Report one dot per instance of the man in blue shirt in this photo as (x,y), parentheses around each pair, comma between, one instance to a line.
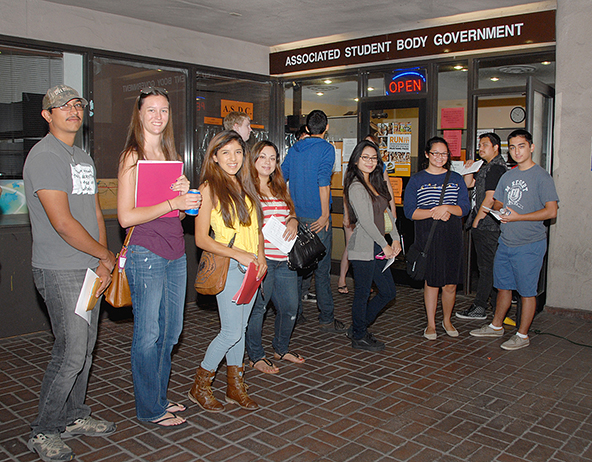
(308,167)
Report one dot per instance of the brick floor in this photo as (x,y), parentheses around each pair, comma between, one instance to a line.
(448,400)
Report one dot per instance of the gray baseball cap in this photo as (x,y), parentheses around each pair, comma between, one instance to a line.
(59,95)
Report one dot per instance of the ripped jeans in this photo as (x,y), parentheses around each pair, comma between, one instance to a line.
(281,287)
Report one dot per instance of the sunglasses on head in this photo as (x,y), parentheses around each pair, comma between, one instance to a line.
(153,90)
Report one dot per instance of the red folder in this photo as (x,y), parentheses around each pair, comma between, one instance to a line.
(153,182)
(249,286)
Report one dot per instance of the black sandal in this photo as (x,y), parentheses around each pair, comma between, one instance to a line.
(296,355)
(268,363)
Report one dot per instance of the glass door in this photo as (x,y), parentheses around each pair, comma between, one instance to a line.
(540,99)
(400,127)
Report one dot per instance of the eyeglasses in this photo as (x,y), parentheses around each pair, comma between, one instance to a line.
(152,90)
(439,154)
(79,106)
(369,159)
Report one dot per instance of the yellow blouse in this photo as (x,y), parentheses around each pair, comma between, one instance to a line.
(247,237)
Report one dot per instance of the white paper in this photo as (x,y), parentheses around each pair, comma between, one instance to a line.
(458,166)
(348,147)
(337,164)
(388,263)
(274,232)
(85,293)
(496,214)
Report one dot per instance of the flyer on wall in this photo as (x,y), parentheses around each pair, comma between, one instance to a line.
(395,146)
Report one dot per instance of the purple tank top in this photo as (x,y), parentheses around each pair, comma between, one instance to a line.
(163,236)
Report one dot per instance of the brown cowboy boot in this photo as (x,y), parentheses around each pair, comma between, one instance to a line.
(236,392)
(201,391)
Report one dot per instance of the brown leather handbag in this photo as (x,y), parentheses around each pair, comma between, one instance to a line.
(118,293)
(212,272)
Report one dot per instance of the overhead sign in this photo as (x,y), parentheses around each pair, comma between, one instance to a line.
(530,28)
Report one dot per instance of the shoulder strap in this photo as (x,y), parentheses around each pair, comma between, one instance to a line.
(429,241)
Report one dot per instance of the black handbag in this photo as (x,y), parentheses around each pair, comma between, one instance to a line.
(308,250)
(417,258)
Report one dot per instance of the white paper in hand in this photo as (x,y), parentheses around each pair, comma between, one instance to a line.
(87,296)
(273,231)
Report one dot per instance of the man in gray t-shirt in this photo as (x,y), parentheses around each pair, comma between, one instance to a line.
(526,197)
(69,237)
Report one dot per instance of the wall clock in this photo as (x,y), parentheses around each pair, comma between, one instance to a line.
(517,114)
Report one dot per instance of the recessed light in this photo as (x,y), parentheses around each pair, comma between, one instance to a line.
(546,63)
(370,88)
(464,69)
(320,93)
(328,81)
(356,99)
(458,67)
(494,79)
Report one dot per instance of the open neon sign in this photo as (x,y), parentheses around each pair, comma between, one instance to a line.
(407,81)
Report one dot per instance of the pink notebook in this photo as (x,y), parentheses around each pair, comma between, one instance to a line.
(249,287)
(154,180)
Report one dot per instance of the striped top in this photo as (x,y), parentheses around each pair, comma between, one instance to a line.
(273,206)
(424,189)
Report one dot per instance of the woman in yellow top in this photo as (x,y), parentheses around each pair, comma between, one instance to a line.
(231,208)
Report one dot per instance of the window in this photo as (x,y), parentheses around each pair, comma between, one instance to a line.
(26,75)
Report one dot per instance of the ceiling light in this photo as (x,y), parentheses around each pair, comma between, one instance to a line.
(494,79)
(370,88)
(546,63)
(464,69)
(328,81)
(320,93)
(458,67)
(356,99)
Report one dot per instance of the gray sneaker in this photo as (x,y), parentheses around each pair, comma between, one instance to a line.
(474,312)
(486,331)
(89,426)
(515,343)
(50,447)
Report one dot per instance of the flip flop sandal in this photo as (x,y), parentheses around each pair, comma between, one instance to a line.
(171,406)
(162,420)
(343,290)
(296,355)
(267,362)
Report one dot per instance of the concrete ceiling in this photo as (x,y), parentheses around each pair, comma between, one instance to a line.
(275,22)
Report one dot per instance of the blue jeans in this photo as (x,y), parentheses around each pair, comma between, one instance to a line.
(230,342)
(158,290)
(364,312)
(322,276)
(63,390)
(281,287)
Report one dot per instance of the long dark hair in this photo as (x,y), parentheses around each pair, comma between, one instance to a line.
(428,148)
(135,133)
(230,195)
(276,182)
(375,178)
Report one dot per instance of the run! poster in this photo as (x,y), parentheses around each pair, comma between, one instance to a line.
(395,146)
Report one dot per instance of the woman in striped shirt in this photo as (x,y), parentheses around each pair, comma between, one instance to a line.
(444,260)
(280,284)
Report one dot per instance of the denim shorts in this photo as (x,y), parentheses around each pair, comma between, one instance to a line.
(518,268)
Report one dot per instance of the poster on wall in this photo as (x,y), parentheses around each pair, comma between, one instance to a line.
(12,198)
(395,146)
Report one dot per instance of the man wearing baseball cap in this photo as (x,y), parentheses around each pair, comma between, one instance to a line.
(69,236)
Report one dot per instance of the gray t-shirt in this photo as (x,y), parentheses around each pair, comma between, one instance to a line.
(525,192)
(55,166)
